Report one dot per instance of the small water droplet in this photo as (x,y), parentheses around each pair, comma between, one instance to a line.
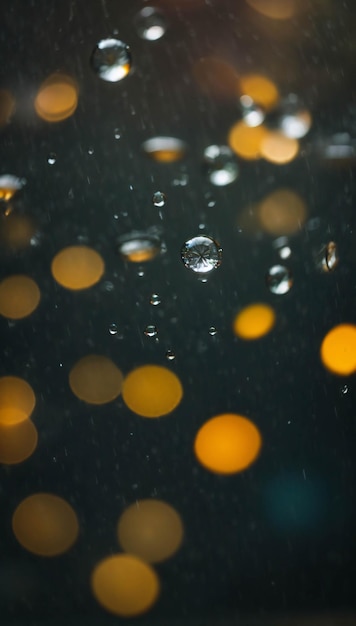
(159,199)
(212,331)
(52,158)
(140,272)
(279,279)
(90,150)
(113,329)
(117,133)
(150,24)
(252,114)
(155,299)
(220,165)
(150,331)
(344,390)
(201,254)
(111,60)
(170,355)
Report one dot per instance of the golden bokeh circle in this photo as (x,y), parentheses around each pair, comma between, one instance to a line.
(17,400)
(96,379)
(254,321)
(338,350)
(282,212)
(152,391)
(57,98)
(77,267)
(17,442)
(19,296)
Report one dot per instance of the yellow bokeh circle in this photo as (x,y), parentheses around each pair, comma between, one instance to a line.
(17,441)
(125,585)
(77,267)
(338,350)
(96,379)
(19,296)
(254,321)
(152,391)
(17,400)
(227,444)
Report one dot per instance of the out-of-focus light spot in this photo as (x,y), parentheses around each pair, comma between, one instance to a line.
(125,585)
(338,350)
(252,114)
(277,148)
(16,231)
(7,106)
(279,279)
(216,78)
(275,9)
(152,391)
(139,247)
(150,24)
(282,212)
(45,524)
(227,444)
(77,267)
(150,529)
(254,321)
(57,98)
(297,125)
(95,379)
(17,442)
(19,297)
(17,400)
(220,165)
(260,89)
(111,60)
(164,149)
(9,185)
(246,140)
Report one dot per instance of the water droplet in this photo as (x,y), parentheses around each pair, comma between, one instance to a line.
(9,185)
(220,165)
(113,329)
(282,246)
(331,258)
(111,60)
(170,355)
(52,158)
(279,279)
(150,331)
(155,299)
(139,246)
(159,199)
(212,331)
(141,272)
(201,254)
(164,149)
(150,24)
(344,390)
(117,133)
(90,151)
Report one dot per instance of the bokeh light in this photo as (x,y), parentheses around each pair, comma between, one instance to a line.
(282,212)
(227,444)
(338,350)
(45,524)
(261,90)
(19,296)
(57,98)
(254,321)
(17,400)
(217,78)
(152,391)
(275,9)
(277,148)
(16,231)
(125,585)
(7,106)
(150,529)
(17,441)
(77,267)
(246,140)
(95,379)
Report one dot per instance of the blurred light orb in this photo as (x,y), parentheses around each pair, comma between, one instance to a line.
(261,89)
(274,9)
(111,60)
(57,98)
(338,350)
(277,148)
(152,391)
(279,279)
(254,321)
(282,212)
(201,254)
(252,114)
(220,165)
(150,24)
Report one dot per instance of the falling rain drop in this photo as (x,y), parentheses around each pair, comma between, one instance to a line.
(159,199)
(150,331)
(150,24)
(279,279)
(201,254)
(155,299)
(111,60)
(220,165)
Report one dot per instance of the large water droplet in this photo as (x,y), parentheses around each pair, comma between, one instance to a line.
(52,158)
(201,254)
(150,24)
(279,279)
(111,59)
(139,246)
(150,331)
(221,165)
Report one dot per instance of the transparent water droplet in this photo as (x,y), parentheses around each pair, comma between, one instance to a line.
(90,151)
(151,331)
(159,198)
(331,258)
(113,329)
(140,272)
(111,59)
(170,355)
(212,331)
(279,279)
(52,158)
(139,246)
(108,286)
(150,24)
(117,133)
(155,299)
(201,254)
(220,165)
(344,390)
(202,226)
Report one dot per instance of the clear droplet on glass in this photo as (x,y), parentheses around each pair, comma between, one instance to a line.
(111,59)
(52,158)
(220,165)
(150,331)
(9,185)
(139,246)
(201,254)
(117,133)
(164,149)
(90,151)
(155,299)
(159,198)
(279,279)
(331,258)
(150,24)
(281,244)
(212,331)
(344,390)
(170,355)
(113,329)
